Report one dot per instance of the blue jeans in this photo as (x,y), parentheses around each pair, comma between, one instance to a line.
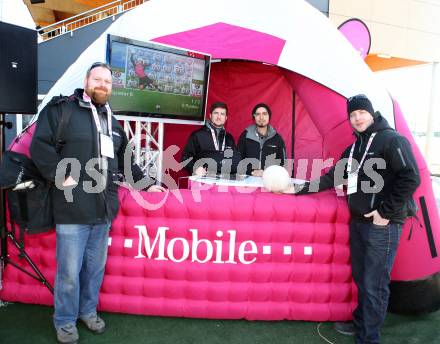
(81,257)
(373,249)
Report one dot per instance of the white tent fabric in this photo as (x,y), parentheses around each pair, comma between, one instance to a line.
(314,47)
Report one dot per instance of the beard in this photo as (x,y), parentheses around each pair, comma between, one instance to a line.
(99,95)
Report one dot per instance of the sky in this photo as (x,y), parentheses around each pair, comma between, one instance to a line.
(16,12)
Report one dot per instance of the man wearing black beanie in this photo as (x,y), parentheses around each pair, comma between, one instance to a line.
(381,175)
(359,102)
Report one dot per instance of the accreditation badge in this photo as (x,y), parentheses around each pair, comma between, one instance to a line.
(352,183)
(107,146)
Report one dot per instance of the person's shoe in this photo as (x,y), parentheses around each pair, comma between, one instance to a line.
(67,334)
(347,328)
(94,324)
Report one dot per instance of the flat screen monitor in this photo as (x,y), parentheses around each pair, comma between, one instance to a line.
(158,81)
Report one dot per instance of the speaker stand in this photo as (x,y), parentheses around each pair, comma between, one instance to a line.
(5,233)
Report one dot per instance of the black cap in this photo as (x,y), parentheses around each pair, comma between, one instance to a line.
(359,102)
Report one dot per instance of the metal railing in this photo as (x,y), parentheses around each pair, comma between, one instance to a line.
(73,23)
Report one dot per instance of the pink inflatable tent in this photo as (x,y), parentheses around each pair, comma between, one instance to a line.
(264,256)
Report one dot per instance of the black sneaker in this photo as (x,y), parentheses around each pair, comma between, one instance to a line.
(347,328)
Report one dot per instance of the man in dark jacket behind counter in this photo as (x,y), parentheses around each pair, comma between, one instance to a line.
(381,175)
(211,149)
(261,143)
(91,158)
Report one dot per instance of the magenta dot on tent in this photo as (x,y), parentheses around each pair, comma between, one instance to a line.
(357,33)
(220,40)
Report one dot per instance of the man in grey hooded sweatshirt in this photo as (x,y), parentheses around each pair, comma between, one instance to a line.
(261,143)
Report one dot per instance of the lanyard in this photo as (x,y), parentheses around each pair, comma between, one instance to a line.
(87,99)
(214,139)
(350,159)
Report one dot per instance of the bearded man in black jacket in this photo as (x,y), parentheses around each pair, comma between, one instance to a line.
(260,142)
(93,138)
(382,175)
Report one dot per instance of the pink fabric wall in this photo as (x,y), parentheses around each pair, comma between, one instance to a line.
(327,111)
(225,41)
(242,85)
(308,141)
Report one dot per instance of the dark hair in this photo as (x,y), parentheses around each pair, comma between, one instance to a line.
(269,111)
(219,105)
(96,65)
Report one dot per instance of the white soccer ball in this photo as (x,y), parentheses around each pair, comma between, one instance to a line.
(276,178)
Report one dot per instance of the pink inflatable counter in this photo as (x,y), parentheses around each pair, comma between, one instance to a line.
(216,253)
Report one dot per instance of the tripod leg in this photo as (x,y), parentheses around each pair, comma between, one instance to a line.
(38,275)
(5,234)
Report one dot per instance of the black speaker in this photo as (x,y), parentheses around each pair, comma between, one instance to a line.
(18,69)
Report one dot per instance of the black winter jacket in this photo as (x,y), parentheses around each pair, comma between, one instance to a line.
(201,146)
(400,175)
(251,145)
(81,143)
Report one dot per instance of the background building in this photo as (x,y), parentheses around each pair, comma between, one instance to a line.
(405,51)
